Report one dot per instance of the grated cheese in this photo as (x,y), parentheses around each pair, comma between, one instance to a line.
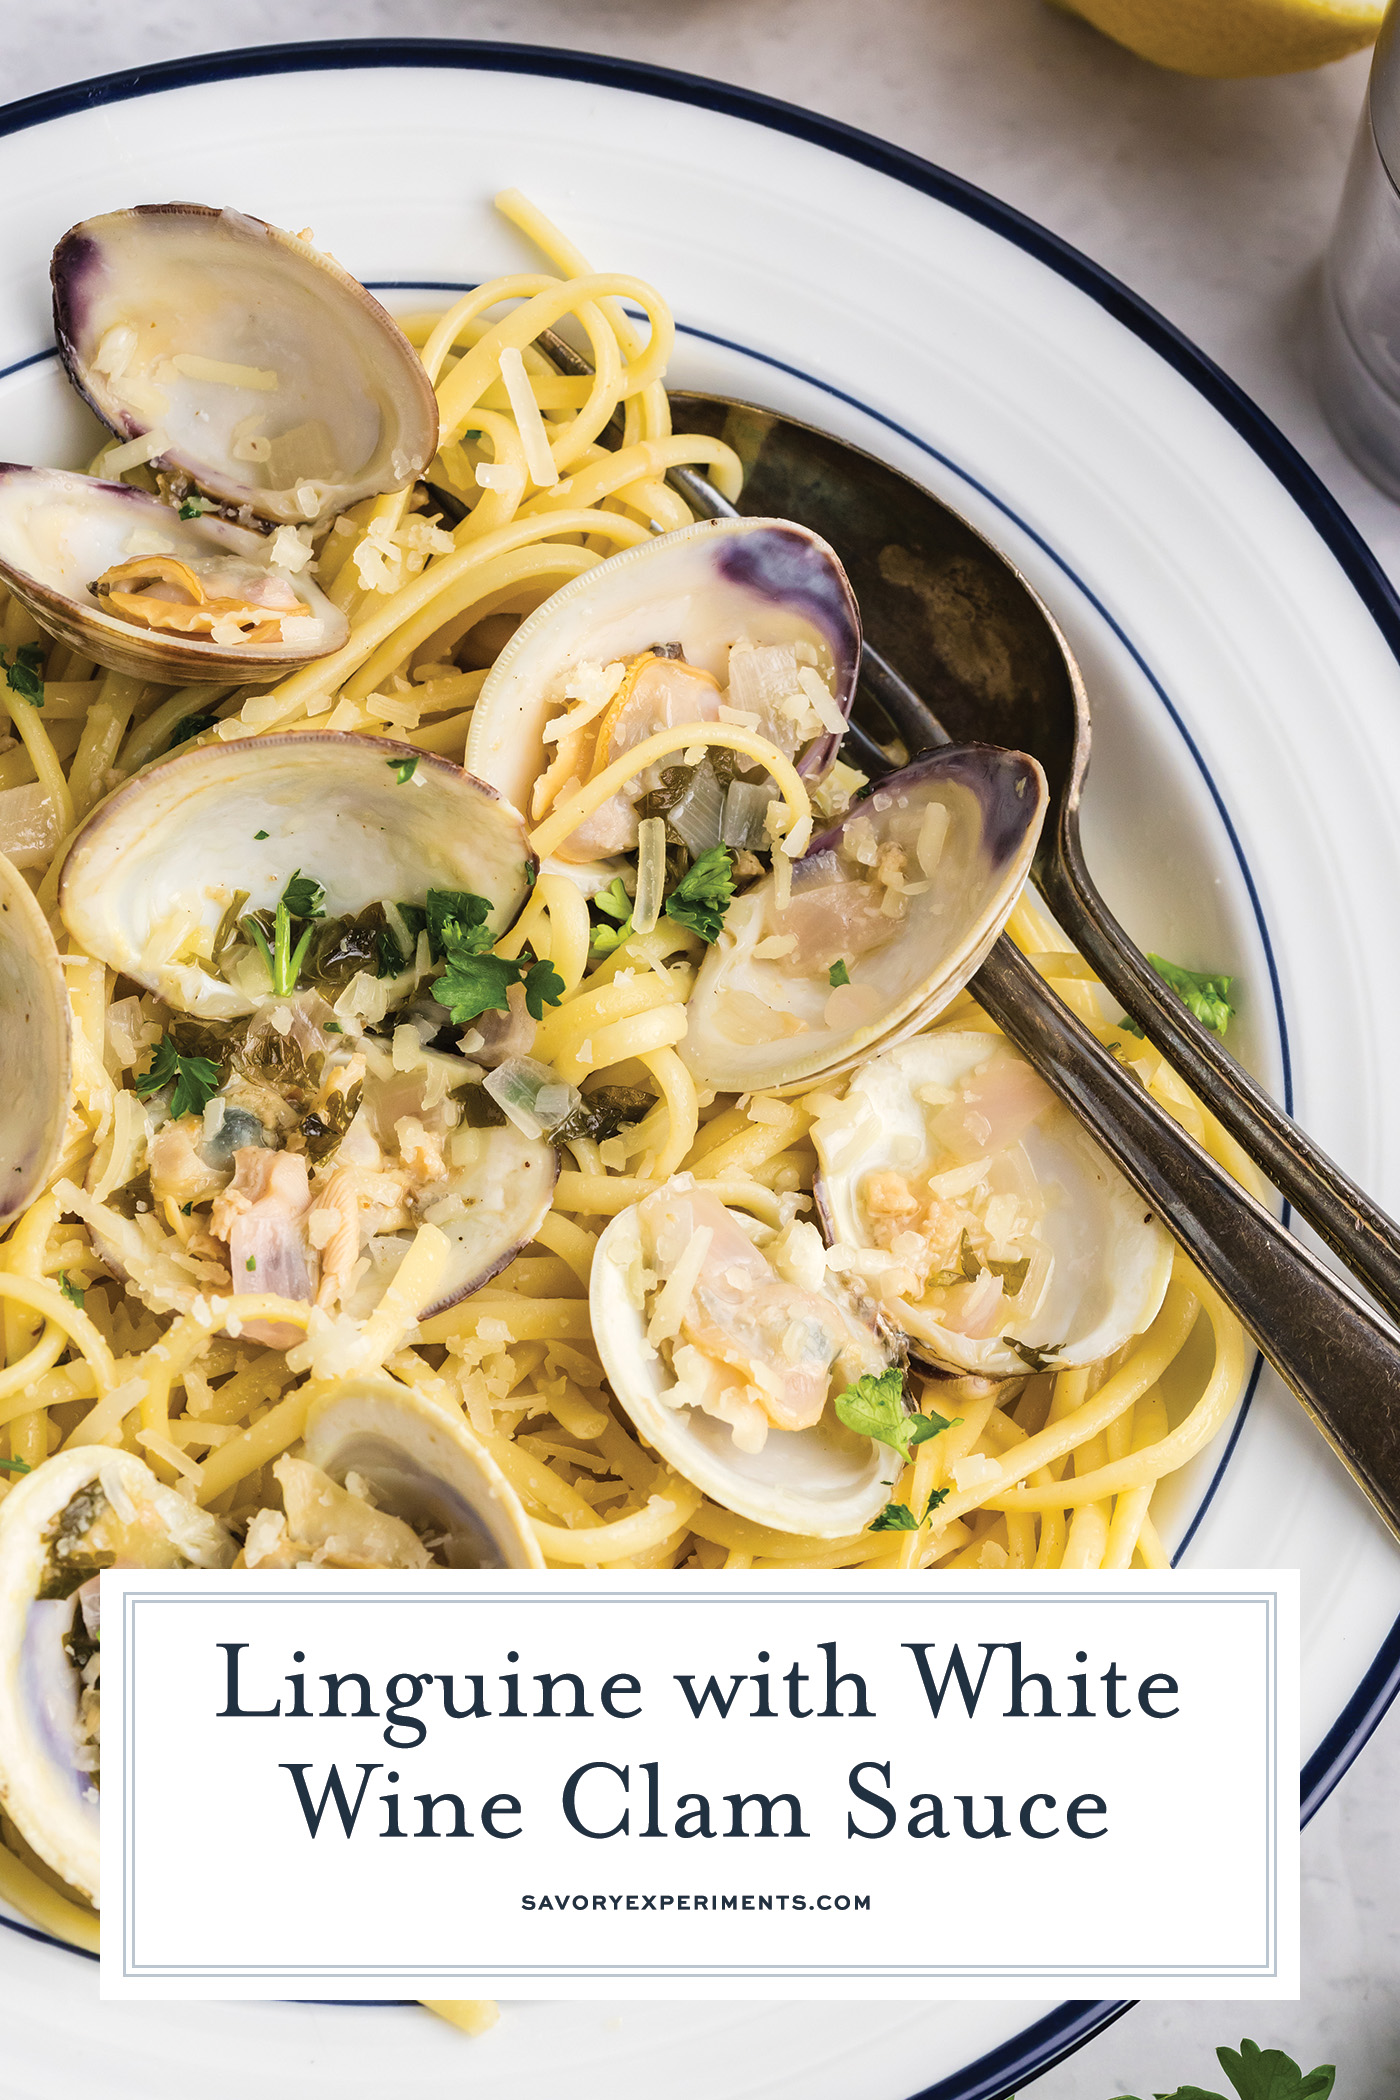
(534,438)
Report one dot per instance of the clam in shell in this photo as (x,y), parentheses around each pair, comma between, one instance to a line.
(35,1046)
(263,372)
(706,1379)
(423,1466)
(891,912)
(995,1234)
(154,870)
(667,622)
(81,1510)
(122,577)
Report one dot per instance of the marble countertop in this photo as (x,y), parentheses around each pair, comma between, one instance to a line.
(1211,198)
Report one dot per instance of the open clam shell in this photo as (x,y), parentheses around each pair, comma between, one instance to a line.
(701,589)
(155,868)
(425,1466)
(953,1140)
(271,377)
(36,1027)
(817,1482)
(81,1510)
(771,1007)
(60,532)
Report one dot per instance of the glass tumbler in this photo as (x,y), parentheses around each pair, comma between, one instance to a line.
(1358,377)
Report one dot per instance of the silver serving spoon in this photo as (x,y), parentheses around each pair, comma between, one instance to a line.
(1336,1354)
(934,611)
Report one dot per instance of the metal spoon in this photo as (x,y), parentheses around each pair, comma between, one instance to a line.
(1340,1359)
(992,664)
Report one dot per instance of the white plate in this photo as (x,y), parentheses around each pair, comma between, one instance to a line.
(1241,649)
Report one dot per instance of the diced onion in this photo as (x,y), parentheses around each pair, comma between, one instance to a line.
(532,1095)
(817,871)
(651,874)
(744,822)
(697,818)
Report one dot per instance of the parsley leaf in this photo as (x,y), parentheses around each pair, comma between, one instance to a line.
(25,675)
(475,984)
(1263,2074)
(70,1290)
(462,911)
(616,903)
(15,1465)
(196,1079)
(543,986)
(874,1407)
(403,769)
(838,973)
(304,896)
(189,726)
(1205,992)
(194,507)
(260,834)
(897,1516)
(702,896)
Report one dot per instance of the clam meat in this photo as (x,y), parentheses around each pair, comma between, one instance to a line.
(890,912)
(745,620)
(727,1355)
(127,579)
(994,1234)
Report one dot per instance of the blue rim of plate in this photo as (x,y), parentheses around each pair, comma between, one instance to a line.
(1049,2040)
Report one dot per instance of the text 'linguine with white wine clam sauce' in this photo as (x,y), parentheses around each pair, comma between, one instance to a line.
(483,1081)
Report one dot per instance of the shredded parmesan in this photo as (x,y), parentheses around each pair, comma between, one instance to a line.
(216,372)
(675,1295)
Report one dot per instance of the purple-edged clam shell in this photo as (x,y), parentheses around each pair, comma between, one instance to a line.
(331,382)
(778,1021)
(1008,785)
(788,566)
(711,584)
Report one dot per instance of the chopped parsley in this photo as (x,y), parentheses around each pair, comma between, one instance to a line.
(70,1290)
(897,1516)
(25,674)
(1205,992)
(194,507)
(874,1407)
(474,981)
(475,984)
(15,1465)
(403,769)
(191,726)
(703,895)
(460,910)
(260,834)
(615,904)
(300,900)
(196,1079)
(251,1262)
(838,973)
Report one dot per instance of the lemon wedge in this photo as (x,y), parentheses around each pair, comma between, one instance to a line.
(1227,39)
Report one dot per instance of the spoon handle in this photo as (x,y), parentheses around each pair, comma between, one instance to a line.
(1340,1358)
(1351,1223)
